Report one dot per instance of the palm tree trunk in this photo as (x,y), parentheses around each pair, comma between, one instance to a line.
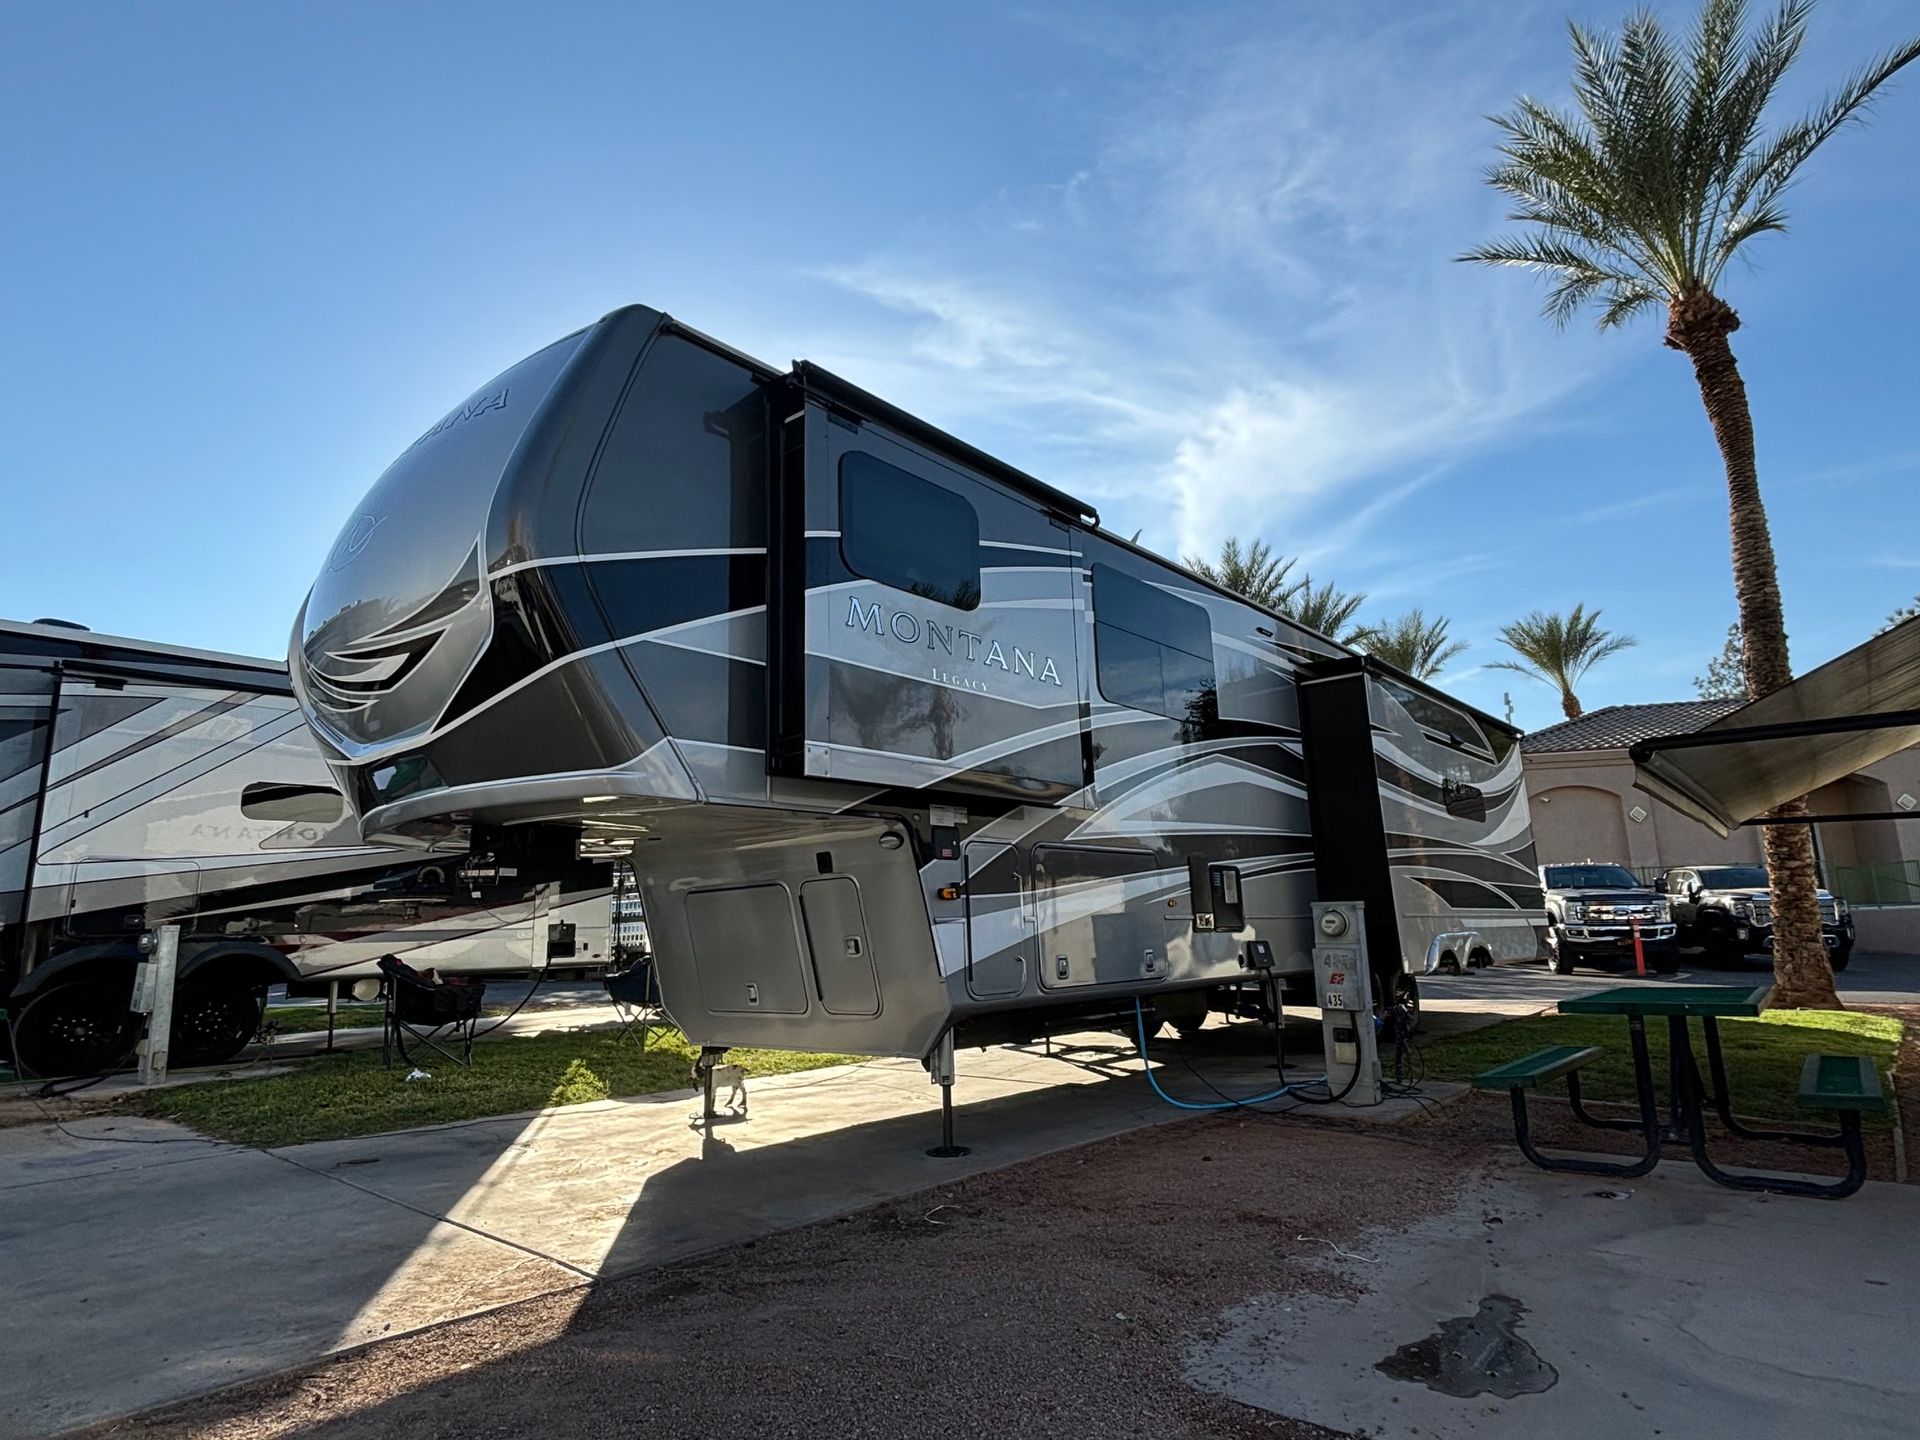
(1699,324)
(1570,705)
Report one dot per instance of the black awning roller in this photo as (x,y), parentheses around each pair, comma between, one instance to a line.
(1857,708)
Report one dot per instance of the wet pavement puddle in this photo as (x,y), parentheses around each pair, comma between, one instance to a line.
(1477,1354)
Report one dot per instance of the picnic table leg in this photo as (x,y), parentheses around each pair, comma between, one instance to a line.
(1681,1070)
(1850,1138)
(1649,1119)
(1642,1079)
(1723,1104)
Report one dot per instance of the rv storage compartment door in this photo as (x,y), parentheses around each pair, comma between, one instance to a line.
(1091,931)
(745,950)
(936,622)
(842,954)
(999,919)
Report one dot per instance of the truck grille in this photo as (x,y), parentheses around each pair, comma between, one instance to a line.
(1619,912)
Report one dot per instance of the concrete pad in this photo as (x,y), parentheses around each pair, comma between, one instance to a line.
(140,1273)
(1660,1306)
(193,1265)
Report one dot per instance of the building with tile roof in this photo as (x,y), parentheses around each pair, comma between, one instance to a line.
(1580,791)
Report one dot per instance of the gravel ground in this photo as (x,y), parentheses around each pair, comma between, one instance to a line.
(1051,1299)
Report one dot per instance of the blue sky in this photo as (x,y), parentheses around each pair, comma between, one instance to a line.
(1191,263)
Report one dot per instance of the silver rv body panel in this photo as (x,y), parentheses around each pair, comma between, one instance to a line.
(898,739)
(143,784)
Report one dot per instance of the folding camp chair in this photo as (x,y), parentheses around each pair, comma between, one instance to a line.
(635,993)
(428,1010)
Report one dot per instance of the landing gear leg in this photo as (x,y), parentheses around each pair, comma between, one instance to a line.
(940,1070)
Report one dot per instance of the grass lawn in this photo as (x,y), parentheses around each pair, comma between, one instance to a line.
(333,1097)
(1763,1056)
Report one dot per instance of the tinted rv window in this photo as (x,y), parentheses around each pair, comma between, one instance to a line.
(1151,651)
(908,533)
(1441,722)
(292,804)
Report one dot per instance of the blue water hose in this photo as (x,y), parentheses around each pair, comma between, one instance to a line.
(1140,1026)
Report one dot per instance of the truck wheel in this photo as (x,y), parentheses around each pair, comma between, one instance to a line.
(1665,964)
(1840,957)
(1558,959)
(213,1021)
(81,1027)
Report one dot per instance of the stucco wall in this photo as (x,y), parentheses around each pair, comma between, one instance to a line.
(1583,804)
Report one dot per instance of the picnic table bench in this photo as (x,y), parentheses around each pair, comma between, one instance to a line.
(1846,1085)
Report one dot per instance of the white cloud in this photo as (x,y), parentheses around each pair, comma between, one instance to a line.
(1239,315)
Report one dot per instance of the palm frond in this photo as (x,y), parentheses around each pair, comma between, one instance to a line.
(1663,169)
(1756,186)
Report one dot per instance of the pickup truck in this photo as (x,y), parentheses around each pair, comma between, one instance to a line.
(1727,910)
(1591,914)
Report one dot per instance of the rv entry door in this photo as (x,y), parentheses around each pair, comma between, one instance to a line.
(1000,918)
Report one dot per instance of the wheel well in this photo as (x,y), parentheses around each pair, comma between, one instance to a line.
(241,967)
(1481,955)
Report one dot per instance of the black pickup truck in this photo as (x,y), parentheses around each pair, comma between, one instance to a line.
(1591,914)
(1727,910)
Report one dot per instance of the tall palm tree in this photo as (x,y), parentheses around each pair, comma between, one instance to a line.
(1642,198)
(1326,608)
(1559,649)
(1413,643)
(1256,573)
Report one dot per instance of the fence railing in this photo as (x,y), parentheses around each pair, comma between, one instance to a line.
(1896,882)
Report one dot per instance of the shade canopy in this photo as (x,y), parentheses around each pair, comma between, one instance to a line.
(1857,708)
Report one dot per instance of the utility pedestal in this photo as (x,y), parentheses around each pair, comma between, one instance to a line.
(153,998)
(1343,985)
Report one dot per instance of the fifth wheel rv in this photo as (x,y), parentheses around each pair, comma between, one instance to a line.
(901,743)
(142,784)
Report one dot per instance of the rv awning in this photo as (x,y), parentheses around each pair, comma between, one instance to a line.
(1858,708)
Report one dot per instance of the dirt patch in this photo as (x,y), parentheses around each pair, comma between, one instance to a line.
(1052,1299)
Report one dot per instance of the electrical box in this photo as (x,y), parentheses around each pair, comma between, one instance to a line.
(1345,994)
(1213,893)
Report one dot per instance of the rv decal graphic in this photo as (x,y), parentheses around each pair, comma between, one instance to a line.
(950,645)
(480,404)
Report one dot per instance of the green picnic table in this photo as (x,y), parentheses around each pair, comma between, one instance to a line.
(1845,1084)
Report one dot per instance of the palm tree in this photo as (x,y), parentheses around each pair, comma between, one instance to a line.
(1643,198)
(1258,573)
(1325,608)
(1413,643)
(1559,649)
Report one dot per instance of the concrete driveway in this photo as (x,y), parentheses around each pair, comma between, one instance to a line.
(1590,1309)
(195,1265)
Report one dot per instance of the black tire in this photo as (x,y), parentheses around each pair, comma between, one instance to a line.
(1665,964)
(80,1027)
(1840,957)
(1188,1027)
(1559,960)
(213,1021)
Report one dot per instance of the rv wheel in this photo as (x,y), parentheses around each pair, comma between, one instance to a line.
(213,1021)
(80,1028)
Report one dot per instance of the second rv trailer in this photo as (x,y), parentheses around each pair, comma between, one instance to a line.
(900,741)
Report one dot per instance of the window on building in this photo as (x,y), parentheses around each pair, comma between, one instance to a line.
(292,804)
(1151,651)
(908,533)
